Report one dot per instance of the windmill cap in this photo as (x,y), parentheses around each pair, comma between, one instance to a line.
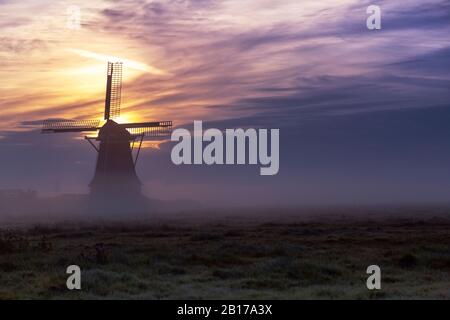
(113,130)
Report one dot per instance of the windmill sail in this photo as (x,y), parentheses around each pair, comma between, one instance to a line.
(70,125)
(149,129)
(113,90)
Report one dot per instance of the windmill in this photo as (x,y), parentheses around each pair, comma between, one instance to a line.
(115,174)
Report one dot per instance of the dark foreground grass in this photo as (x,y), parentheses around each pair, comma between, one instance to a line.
(229,258)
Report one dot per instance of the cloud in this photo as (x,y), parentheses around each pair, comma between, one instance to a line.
(11,45)
(129,63)
(234,68)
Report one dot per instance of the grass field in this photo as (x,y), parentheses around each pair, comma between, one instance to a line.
(280,255)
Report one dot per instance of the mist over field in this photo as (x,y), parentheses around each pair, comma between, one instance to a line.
(262,254)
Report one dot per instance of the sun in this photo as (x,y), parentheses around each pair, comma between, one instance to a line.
(126,118)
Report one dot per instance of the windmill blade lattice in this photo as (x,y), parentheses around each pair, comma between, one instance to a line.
(149,129)
(113,90)
(70,125)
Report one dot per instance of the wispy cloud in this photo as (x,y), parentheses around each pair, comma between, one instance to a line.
(189,55)
(129,63)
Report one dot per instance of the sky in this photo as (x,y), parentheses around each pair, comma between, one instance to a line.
(363,114)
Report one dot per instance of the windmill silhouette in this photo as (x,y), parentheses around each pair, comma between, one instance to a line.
(115,174)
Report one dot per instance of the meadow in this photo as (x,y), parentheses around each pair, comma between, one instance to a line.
(265,254)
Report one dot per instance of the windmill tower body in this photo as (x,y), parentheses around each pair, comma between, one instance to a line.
(115,179)
(115,173)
